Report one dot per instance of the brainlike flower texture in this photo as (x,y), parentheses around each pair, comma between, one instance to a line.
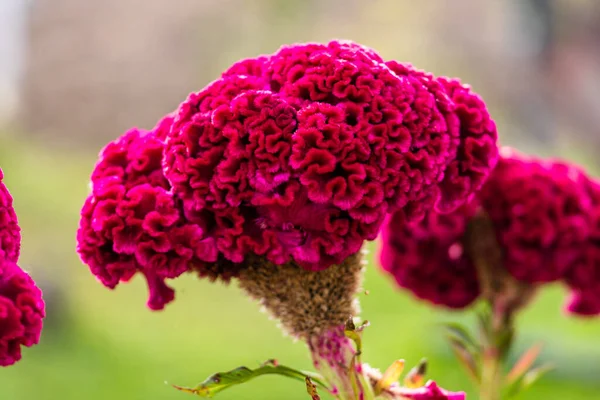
(299,155)
(540,212)
(132,223)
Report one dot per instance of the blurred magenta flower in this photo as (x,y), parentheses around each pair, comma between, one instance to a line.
(21,305)
(21,312)
(584,278)
(10,233)
(540,212)
(428,257)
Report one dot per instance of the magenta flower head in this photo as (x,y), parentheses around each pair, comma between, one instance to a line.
(299,155)
(131,222)
(21,304)
(21,312)
(428,257)
(539,215)
(10,233)
(276,173)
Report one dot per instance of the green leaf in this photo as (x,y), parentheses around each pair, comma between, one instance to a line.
(461,333)
(466,357)
(354,380)
(535,374)
(223,380)
(352,332)
(527,379)
(524,363)
(484,317)
(504,340)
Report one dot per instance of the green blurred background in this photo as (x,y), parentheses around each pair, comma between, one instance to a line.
(74,75)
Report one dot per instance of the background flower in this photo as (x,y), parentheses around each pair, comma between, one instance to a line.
(10,233)
(540,212)
(21,312)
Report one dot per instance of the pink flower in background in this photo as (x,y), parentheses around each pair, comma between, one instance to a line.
(10,233)
(540,212)
(428,257)
(21,312)
(132,223)
(584,276)
(21,304)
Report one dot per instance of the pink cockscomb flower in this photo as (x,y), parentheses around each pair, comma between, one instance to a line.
(540,212)
(427,257)
(132,223)
(10,233)
(277,173)
(540,216)
(474,143)
(21,312)
(299,155)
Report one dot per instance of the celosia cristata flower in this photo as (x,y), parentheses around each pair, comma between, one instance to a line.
(299,155)
(279,171)
(540,215)
(21,305)
(10,233)
(21,312)
(132,223)
(427,257)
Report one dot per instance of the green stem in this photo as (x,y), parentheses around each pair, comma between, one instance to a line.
(338,362)
(491,375)
(497,337)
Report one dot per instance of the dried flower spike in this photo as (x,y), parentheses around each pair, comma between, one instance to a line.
(306,303)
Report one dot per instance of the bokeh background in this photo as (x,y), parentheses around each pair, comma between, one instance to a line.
(75,74)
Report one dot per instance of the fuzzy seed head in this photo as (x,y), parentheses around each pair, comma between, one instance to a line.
(306,303)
